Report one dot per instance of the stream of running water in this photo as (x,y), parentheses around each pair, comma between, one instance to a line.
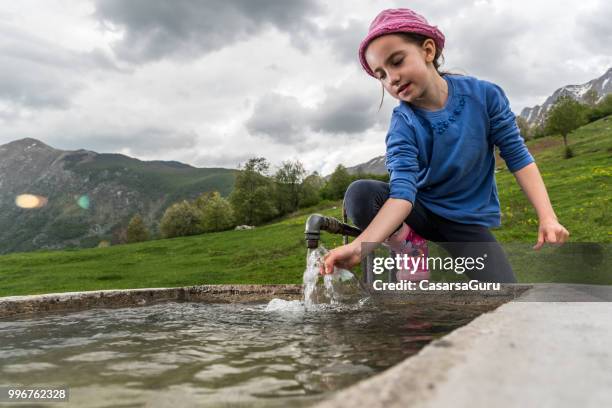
(337,290)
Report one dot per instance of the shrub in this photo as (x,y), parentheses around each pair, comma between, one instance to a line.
(137,231)
(181,219)
(217,214)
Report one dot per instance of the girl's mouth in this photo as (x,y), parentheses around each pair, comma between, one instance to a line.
(403,88)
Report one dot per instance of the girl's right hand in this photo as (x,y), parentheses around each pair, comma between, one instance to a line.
(345,256)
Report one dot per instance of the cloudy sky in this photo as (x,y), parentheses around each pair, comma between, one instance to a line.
(214,82)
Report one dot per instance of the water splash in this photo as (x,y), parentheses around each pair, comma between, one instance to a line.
(339,291)
(340,287)
(314,259)
(281,305)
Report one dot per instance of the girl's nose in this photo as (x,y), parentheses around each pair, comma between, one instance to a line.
(394,78)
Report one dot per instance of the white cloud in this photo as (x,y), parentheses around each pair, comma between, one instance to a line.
(185,29)
(181,81)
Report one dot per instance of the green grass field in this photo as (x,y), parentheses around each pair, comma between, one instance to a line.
(580,189)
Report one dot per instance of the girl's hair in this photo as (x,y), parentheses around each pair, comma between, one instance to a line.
(418,39)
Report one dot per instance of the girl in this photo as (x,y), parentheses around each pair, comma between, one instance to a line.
(440,155)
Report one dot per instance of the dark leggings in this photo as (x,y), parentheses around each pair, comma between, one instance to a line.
(364,198)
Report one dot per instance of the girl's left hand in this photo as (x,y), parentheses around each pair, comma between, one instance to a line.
(552,232)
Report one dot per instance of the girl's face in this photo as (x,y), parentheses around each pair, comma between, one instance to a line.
(405,69)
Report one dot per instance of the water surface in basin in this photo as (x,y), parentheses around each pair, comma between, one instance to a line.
(196,354)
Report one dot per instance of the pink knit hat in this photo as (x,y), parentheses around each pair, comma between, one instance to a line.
(399,20)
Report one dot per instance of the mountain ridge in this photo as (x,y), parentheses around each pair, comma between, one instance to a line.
(89,197)
(536,115)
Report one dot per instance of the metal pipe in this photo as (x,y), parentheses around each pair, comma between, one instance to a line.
(317,223)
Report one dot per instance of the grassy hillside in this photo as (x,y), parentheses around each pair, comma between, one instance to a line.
(273,253)
(579,188)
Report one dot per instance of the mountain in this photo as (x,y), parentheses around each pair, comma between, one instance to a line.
(373,166)
(81,197)
(603,85)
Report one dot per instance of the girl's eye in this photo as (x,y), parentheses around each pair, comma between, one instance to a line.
(397,62)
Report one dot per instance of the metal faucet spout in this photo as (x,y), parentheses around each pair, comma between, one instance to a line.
(317,222)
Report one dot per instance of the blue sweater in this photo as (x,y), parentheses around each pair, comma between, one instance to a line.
(445,158)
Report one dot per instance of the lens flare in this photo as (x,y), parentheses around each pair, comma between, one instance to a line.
(30,201)
(83,202)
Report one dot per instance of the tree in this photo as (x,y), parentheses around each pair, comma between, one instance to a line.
(137,231)
(590,97)
(338,182)
(288,183)
(257,165)
(311,190)
(217,214)
(201,201)
(252,198)
(602,109)
(181,219)
(565,116)
(523,126)
(538,131)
